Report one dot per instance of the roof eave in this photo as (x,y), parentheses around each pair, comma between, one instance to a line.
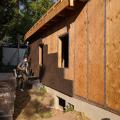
(52,12)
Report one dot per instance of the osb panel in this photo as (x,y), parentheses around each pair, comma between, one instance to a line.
(40,55)
(48,39)
(62,31)
(53,43)
(96,51)
(34,57)
(69,73)
(44,40)
(113,54)
(80,85)
(54,76)
(59,33)
(59,53)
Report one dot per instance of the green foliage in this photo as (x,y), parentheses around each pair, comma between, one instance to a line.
(17,16)
(40,109)
(68,108)
(43,91)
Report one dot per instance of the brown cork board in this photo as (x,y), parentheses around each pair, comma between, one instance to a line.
(96,51)
(113,54)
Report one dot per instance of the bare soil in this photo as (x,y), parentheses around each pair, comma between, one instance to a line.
(38,105)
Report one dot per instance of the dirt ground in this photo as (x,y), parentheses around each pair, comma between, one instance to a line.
(38,105)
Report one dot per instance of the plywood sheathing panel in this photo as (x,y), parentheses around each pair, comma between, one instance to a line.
(81,54)
(40,55)
(51,41)
(96,51)
(54,76)
(113,54)
(57,35)
(34,56)
(48,43)
(69,72)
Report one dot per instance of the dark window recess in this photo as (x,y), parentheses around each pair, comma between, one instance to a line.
(65,50)
(61,102)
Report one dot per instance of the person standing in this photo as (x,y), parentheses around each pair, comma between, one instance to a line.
(22,69)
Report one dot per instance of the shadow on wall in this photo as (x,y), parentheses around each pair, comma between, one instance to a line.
(41,72)
(52,76)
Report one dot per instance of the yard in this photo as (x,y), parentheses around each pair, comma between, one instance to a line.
(37,104)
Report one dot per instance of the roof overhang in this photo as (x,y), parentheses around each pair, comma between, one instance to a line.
(52,12)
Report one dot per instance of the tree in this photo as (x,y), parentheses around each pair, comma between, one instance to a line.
(17,16)
(6,14)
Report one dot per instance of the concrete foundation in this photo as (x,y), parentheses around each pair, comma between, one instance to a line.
(91,111)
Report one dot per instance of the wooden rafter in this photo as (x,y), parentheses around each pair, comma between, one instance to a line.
(52,12)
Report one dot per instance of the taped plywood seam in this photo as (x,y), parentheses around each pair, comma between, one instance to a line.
(74,26)
(105,26)
(87,53)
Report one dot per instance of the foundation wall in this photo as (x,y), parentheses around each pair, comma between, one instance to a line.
(91,111)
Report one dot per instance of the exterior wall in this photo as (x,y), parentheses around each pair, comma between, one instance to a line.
(55,77)
(90,52)
(92,74)
(96,51)
(34,57)
(81,54)
(113,54)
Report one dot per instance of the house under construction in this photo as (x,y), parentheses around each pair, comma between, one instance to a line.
(76,48)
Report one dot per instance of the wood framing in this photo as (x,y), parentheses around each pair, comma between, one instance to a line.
(57,8)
